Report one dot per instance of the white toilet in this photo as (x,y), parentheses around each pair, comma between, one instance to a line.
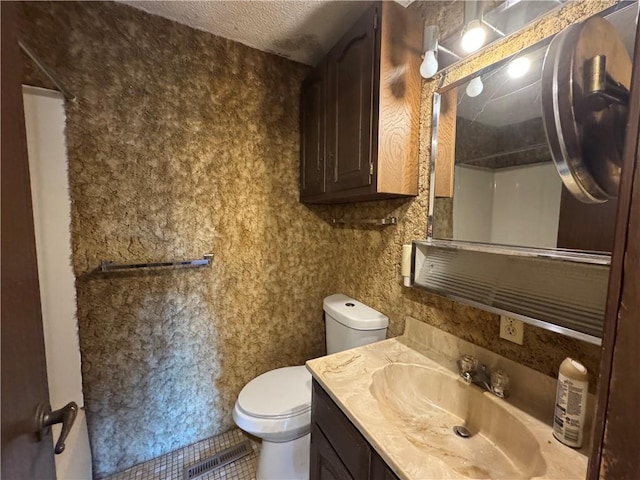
(276,406)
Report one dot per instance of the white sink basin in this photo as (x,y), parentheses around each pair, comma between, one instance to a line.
(426,404)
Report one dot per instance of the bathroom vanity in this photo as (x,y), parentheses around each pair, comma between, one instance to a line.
(388,410)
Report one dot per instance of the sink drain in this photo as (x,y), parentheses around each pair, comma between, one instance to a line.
(461,431)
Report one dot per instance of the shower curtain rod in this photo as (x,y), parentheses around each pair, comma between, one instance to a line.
(46,71)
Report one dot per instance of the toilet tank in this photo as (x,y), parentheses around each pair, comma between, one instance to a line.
(350,324)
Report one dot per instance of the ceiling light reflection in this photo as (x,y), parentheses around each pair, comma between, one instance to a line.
(518,67)
(475,87)
(474,36)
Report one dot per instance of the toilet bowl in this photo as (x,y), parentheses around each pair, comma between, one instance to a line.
(276,406)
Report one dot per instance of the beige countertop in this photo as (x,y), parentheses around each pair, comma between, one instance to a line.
(347,378)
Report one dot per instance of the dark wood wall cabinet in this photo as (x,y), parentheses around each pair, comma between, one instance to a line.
(360,112)
(338,449)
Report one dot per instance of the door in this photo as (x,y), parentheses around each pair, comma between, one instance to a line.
(614,453)
(312,142)
(24,375)
(325,463)
(380,470)
(45,123)
(350,107)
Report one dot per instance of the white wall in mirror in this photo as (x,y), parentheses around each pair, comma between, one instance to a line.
(511,206)
(473,204)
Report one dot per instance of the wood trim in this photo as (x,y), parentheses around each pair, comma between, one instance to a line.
(399,100)
(615,449)
(445,163)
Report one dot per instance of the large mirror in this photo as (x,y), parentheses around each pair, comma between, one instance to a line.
(493,178)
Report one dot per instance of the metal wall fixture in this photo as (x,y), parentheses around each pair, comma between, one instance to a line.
(431,47)
(560,291)
(472,38)
(585,94)
(107,266)
(365,221)
(40,64)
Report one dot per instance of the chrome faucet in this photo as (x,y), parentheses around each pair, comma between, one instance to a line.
(496,382)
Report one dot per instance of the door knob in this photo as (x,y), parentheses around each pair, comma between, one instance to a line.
(65,415)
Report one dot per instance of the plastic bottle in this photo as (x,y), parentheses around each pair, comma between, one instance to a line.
(571,403)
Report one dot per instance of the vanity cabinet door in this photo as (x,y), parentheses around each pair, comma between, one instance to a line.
(325,463)
(380,470)
(350,106)
(338,449)
(312,145)
(352,448)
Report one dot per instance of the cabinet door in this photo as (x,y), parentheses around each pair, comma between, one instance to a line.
(380,470)
(312,126)
(352,448)
(325,463)
(350,107)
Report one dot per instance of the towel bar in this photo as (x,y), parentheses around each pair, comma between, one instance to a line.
(109,266)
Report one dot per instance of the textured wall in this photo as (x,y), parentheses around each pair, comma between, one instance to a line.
(180,143)
(475,142)
(368,261)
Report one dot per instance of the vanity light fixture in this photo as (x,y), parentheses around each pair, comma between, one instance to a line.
(474,36)
(429,65)
(518,67)
(475,87)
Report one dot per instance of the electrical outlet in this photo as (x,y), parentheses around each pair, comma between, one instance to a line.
(511,329)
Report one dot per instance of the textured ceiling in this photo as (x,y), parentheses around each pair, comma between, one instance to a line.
(301,30)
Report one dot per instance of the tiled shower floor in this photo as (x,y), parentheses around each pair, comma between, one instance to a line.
(171,466)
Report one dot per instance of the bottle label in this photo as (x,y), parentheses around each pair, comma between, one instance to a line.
(568,419)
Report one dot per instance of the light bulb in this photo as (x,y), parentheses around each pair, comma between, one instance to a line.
(475,87)
(474,37)
(518,67)
(429,65)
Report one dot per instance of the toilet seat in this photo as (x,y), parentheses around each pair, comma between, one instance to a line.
(283,392)
(276,405)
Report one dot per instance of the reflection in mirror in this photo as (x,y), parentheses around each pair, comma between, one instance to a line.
(503,168)
(505,188)
(496,20)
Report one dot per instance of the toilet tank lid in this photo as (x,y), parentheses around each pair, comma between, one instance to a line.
(354,314)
